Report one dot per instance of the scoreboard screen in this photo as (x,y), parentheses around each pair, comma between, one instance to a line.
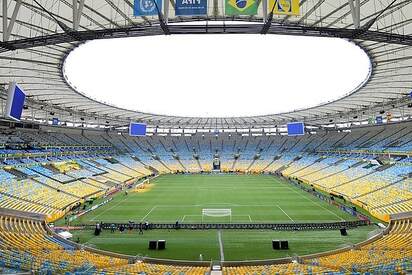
(296,129)
(137,129)
(15,101)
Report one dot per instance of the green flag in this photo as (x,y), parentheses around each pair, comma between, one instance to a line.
(241,7)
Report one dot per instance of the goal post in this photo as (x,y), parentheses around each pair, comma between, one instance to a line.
(217,212)
(141,185)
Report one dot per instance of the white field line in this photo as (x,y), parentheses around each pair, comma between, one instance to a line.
(219,237)
(317,204)
(148,213)
(250,218)
(110,208)
(285,213)
(214,204)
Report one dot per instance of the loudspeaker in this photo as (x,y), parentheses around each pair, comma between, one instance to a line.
(161,244)
(343,232)
(152,245)
(284,245)
(276,244)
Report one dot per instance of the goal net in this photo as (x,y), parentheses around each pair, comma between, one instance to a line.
(141,185)
(216,212)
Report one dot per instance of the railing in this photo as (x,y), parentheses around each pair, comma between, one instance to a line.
(238,226)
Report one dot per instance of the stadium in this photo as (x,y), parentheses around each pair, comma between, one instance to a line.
(206,137)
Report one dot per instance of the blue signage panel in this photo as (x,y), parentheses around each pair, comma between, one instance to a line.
(55,121)
(379,120)
(146,7)
(15,101)
(137,129)
(296,129)
(191,7)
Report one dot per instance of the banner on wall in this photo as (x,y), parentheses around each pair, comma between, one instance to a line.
(190,7)
(388,116)
(284,7)
(241,7)
(146,7)
(55,121)
(379,120)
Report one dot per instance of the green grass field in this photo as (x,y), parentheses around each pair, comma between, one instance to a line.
(255,199)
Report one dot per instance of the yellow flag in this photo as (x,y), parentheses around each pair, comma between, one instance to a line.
(284,7)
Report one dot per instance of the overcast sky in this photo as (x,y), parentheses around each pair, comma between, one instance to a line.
(217,75)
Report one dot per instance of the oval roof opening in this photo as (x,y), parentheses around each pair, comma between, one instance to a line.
(217,75)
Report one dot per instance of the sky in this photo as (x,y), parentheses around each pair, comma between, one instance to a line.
(216,75)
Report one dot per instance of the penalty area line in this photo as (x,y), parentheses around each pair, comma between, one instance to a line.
(113,206)
(314,202)
(285,213)
(148,213)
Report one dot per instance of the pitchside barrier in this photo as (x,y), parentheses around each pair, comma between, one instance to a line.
(242,226)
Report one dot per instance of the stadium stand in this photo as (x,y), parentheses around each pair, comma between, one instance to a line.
(52,178)
(388,253)
(360,166)
(28,245)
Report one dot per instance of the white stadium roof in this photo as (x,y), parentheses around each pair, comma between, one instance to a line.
(37,35)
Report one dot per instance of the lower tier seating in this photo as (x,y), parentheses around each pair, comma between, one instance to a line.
(27,245)
(392,249)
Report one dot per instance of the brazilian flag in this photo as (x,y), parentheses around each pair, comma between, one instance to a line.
(241,7)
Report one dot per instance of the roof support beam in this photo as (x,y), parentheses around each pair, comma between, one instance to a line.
(77,13)
(308,13)
(8,26)
(355,11)
(120,12)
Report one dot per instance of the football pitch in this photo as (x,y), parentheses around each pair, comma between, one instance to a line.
(251,198)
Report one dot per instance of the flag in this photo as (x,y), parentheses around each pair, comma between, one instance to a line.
(146,7)
(190,7)
(241,7)
(284,7)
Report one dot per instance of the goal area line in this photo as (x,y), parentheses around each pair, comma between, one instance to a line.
(225,217)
